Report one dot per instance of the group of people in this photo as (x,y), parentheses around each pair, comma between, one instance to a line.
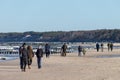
(26,55)
(81,51)
(109,45)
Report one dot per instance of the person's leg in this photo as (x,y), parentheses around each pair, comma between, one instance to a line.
(30,61)
(29,64)
(46,54)
(111,48)
(25,63)
(78,53)
(65,53)
(39,62)
(21,63)
(97,49)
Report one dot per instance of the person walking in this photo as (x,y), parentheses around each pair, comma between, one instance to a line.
(47,50)
(102,47)
(97,47)
(24,58)
(108,45)
(64,48)
(30,56)
(39,55)
(20,56)
(79,50)
(111,46)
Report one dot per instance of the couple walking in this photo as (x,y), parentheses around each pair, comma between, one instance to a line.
(26,54)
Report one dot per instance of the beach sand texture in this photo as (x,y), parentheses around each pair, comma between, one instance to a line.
(89,67)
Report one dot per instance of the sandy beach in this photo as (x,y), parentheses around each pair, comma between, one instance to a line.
(94,66)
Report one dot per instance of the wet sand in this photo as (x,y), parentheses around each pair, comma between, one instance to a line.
(93,66)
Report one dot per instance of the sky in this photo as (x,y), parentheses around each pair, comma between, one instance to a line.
(58,15)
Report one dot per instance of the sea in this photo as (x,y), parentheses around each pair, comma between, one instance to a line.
(73,46)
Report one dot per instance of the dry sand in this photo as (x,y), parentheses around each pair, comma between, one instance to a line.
(71,67)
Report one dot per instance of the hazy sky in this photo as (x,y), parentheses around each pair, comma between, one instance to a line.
(58,15)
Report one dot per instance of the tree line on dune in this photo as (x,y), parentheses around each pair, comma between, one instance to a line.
(103,35)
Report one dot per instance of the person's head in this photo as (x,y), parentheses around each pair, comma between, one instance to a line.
(40,47)
(29,47)
(23,44)
(64,43)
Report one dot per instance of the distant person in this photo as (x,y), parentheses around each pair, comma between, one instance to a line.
(30,56)
(47,50)
(64,49)
(108,45)
(20,56)
(97,47)
(111,46)
(24,57)
(79,50)
(102,47)
(39,55)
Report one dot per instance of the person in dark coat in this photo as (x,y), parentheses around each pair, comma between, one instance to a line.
(64,48)
(108,45)
(102,47)
(47,50)
(24,58)
(39,55)
(111,46)
(97,47)
(20,56)
(79,50)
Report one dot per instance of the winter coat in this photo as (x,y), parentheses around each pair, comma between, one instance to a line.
(25,55)
(30,52)
(39,53)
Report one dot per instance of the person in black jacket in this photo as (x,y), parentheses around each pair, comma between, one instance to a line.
(47,50)
(39,55)
(20,55)
(97,46)
(24,58)
(79,50)
(64,49)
